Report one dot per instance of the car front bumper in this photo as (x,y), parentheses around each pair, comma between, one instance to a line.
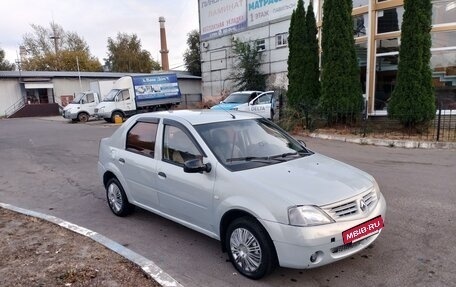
(69,115)
(296,245)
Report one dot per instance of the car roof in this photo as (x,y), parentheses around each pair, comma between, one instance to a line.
(246,92)
(196,117)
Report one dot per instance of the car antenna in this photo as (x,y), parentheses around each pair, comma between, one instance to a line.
(232,116)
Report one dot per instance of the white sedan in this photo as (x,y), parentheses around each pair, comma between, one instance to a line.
(240,179)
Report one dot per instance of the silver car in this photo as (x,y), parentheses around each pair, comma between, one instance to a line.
(240,179)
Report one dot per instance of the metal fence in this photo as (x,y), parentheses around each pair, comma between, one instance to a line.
(442,128)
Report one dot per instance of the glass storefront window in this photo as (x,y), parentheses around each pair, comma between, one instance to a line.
(385,79)
(389,20)
(443,11)
(387,45)
(361,55)
(360,25)
(443,64)
(443,39)
(359,3)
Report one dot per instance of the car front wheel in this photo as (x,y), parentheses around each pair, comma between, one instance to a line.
(83,117)
(250,249)
(117,199)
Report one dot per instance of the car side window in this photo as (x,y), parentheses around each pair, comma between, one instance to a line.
(264,99)
(124,95)
(177,146)
(90,98)
(141,138)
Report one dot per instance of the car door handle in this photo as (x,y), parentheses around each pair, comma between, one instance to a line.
(121,160)
(162,174)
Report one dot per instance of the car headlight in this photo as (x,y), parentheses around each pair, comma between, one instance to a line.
(377,190)
(306,215)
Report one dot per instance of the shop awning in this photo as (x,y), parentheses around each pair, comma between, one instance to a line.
(39,86)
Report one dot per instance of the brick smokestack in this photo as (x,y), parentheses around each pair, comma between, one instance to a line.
(164,48)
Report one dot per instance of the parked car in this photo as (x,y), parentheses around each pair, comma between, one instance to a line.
(235,99)
(265,105)
(241,179)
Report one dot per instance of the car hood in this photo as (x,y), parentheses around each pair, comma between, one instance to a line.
(70,106)
(311,180)
(225,106)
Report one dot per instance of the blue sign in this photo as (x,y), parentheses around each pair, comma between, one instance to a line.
(156,87)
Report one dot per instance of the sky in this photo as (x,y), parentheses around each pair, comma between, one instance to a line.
(96,20)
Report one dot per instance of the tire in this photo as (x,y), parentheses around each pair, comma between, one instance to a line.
(246,233)
(114,114)
(83,117)
(117,199)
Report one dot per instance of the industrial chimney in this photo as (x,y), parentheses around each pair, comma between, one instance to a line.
(164,49)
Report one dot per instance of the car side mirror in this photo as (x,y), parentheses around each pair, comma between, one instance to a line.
(196,165)
(301,142)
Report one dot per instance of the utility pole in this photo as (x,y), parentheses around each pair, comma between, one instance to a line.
(55,37)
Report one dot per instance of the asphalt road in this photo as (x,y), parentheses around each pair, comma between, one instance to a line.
(50,167)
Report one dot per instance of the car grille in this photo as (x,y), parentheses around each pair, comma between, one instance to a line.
(346,247)
(347,208)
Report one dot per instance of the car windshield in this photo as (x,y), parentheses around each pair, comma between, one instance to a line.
(78,98)
(246,144)
(238,98)
(111,96)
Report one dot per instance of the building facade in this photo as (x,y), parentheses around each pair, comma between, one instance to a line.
(376,31)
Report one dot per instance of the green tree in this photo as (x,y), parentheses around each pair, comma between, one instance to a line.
(192,56)
(53,49)
(341,93)
(311,66)
(412,101)
(125,54)
(297,42)
(247,74)
(5,65)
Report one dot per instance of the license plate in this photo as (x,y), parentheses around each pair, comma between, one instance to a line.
(363,230)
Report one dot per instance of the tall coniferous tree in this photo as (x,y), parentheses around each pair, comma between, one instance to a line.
(296,57)
(311,76)
(412,101)
(341,93)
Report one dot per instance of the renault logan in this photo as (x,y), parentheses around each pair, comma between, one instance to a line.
(240,179)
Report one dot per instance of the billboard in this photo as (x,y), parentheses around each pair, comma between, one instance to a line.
(262,11)
(222,17)
(156,87)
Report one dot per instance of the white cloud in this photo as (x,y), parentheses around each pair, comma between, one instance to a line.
(96,20)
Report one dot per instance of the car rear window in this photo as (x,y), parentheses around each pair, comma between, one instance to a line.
(141,138)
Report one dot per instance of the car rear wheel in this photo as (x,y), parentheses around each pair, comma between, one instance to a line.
(117,199)
(83,117)
(250,249)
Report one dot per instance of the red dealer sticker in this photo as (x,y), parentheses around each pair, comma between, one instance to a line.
(362,230)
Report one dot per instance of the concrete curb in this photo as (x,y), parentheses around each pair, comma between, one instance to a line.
(387,142)
(148,266)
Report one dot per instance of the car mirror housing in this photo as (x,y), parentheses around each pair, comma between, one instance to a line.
(196,165)
(302,143)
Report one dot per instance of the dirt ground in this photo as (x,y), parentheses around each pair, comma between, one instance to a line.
(34,252)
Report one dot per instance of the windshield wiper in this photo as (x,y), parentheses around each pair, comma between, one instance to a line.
(265,159)
(284,154)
